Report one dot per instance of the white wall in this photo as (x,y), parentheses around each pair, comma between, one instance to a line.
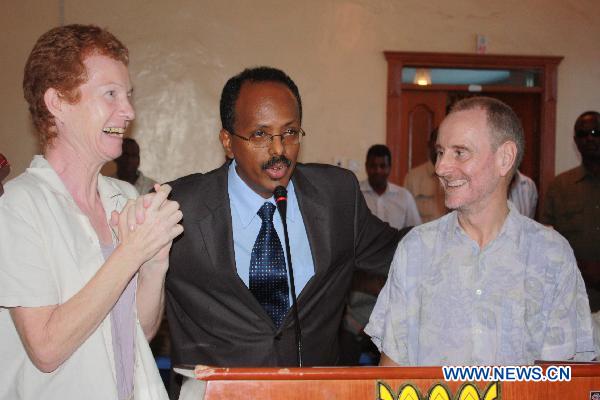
(183,51)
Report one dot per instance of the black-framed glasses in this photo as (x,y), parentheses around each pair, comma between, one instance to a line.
(260,139)
(581,133)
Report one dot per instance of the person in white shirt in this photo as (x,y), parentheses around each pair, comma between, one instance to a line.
(523,194)
(396,206)
(422,182)
(128,164)
(390,203)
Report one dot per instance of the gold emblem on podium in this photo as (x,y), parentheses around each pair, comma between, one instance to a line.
(467,391)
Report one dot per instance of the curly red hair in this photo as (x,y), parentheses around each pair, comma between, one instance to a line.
(56,61)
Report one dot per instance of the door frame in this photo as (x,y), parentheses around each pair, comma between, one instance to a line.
(547,87)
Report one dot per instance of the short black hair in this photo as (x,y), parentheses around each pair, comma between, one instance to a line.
(231,91)
(379,150)
(594,114)
(129,140)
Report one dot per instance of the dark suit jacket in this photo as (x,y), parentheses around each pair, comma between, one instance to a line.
(215,320)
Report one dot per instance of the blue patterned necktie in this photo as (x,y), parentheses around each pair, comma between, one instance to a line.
(268,278)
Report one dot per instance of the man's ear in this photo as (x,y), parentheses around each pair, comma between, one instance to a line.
(225,138)
(507,156)
(54,103)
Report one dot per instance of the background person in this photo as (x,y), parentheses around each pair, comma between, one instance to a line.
(425,187)
(572,204)
(389,202)
(396,206)
(128,164)
(523,194)
(79,296)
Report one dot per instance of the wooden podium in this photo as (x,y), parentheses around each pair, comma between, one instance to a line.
(384,383)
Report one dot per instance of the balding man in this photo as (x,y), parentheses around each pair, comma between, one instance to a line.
(483,284)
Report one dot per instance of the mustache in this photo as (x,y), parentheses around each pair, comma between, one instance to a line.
(277,160)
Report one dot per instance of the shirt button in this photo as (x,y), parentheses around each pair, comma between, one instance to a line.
(478,331)
(478,291)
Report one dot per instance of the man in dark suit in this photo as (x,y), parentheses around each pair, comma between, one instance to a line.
(220,311)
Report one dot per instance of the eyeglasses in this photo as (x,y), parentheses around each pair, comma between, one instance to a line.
(261,139)
(581,133)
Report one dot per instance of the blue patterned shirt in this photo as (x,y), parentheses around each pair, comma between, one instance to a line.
(446,301)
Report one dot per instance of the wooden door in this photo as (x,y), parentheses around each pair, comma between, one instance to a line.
(527,108)
(422,111)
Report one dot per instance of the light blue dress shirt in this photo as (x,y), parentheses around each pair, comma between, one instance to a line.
(245,203)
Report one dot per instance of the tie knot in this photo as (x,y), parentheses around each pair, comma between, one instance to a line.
(266,212)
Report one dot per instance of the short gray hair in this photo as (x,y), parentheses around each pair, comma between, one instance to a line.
(503,123)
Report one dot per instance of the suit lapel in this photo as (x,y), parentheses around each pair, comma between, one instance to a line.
(317,222)
(214,221)
(212,216)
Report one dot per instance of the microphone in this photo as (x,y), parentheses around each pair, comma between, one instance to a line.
(280,195)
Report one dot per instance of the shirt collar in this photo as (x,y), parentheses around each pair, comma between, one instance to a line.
(111,196)
(391,188)
(510,229)
(365,186)
(249,202)
(455,230)
(582,173)
(41,168)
